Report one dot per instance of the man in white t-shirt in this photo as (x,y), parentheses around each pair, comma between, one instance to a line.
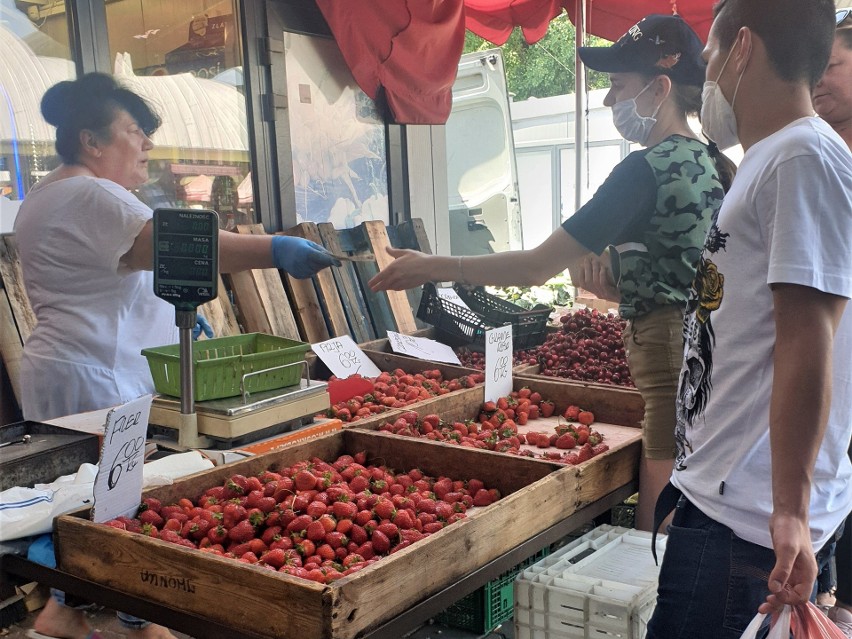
(762,479)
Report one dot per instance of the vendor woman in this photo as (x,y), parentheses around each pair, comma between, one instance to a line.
(86,250)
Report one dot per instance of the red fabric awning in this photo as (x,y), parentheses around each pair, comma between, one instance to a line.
(408,50)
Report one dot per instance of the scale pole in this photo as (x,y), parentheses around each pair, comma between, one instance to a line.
(188,434)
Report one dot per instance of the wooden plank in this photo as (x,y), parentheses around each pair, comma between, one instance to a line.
(220,313)
(411,235)
(349,290)
(306,306)
(377,237)
(261,298)
(13,281)
(326,287)
(11,347)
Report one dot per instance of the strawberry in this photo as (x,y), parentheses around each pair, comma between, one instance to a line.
(315,531)
(571,413)
(566,441)
(547,407)
(384,509)
(586,417)
(150,503)
(305,480)
(585,453)
(404,519)
(599,448)
(170,536)
(381,543)
(114,523)
(242,532)
(275,558)
(235,486)
(151,517)
(482,498)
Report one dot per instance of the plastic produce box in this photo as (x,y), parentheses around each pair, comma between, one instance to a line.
(489,606)
(603,585)
(230,366)
(467,326)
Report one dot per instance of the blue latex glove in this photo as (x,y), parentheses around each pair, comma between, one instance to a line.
(301,258)
(201,324)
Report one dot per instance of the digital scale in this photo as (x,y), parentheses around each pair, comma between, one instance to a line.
(186,274)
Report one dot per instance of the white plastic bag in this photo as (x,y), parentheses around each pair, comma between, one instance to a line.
(806,622)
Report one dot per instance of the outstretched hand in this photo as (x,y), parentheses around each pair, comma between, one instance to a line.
(594,274)
(408,270)
(792,579)
(301,258)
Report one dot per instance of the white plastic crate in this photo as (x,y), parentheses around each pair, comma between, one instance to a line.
(600,586)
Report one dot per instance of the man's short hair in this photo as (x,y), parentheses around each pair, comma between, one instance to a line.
(798,34)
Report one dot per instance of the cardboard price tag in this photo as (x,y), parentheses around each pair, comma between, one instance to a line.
(344,358)
(422,348)
(118,485)
(449,294)
(498,363)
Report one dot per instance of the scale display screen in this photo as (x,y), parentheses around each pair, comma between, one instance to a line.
(186,256)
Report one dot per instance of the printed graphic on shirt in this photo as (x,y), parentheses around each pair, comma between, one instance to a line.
(696,376)
(689,194)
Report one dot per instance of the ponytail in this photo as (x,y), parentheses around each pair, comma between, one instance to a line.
(724,165)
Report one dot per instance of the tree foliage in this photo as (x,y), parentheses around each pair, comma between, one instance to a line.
(545,68)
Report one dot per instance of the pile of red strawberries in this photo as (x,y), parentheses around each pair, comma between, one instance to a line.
(397,389)
(496,428)
(313,519)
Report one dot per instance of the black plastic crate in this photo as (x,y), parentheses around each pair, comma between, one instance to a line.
(462,326)
(489,606)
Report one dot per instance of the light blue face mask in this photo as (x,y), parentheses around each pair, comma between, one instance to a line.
(629,124)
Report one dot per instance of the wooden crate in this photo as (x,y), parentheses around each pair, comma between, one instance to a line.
(537,495)
(391,361)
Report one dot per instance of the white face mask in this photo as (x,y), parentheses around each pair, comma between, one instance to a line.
(717,116)
(629,124)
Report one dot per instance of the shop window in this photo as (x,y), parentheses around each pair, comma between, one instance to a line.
(337,136)
(36,55)
(186,59)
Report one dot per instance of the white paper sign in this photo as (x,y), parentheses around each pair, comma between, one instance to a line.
(498,363)
(118,486)
(422,348)
(344,358)
(450,295)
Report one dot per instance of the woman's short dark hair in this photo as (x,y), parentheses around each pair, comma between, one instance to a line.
(798,34)
(90,102)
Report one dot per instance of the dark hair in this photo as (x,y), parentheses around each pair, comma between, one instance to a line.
(798,34)
(90,102)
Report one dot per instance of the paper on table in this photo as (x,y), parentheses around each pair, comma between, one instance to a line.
(498,363)
(422,348)
(344,358)
(118,486)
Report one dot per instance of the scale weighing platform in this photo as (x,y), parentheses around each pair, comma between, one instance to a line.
(234,422)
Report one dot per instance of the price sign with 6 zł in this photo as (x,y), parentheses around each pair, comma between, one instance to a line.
(498,363)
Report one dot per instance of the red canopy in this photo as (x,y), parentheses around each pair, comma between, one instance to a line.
(409,49)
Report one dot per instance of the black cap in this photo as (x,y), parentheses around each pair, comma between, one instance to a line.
(656,45)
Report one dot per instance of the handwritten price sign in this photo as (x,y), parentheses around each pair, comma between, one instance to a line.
(118,486)
(344,358)
(498,363)
(422,348)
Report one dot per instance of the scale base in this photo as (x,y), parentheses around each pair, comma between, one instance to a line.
(230,423)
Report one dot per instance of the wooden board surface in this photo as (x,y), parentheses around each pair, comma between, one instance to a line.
(326,287)
(261,298)
(536,496)
(220,313)
(306,305)
(353,304)
(378,238)
(13,281)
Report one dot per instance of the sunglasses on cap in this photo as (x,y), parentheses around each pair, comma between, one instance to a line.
(843,15)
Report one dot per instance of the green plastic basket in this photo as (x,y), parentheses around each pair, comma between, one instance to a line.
(221,364)
(485,609)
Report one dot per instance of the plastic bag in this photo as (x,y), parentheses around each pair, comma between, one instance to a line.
(801,622)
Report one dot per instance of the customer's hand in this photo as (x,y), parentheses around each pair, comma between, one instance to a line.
(301,258)
(594,274)
(792,580)
(408,270)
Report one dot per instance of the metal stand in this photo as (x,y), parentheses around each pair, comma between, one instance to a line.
(188,433)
